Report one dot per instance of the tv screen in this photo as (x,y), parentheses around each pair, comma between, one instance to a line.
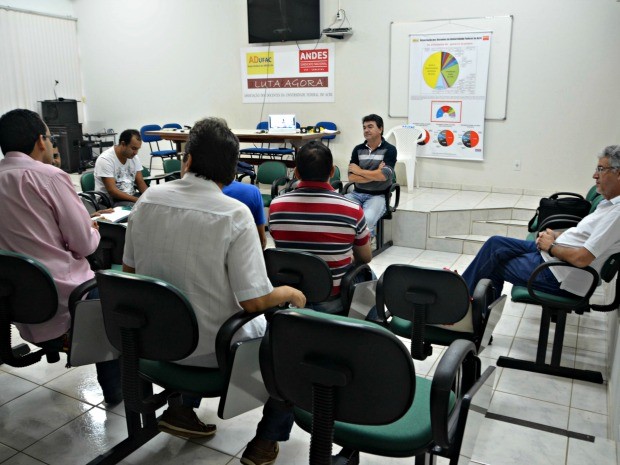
(283,20)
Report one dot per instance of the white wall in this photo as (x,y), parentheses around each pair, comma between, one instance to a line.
(178,60)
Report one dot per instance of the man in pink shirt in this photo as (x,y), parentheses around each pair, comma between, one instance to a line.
(44,218)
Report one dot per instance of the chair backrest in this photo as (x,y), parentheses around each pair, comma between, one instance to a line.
(304,350)
(336,176)
(148,308)
(27,295)
(269,171)
(172,165)
(87,181)
(112,243)
(262,126)
(422,296)
(405,140)
(302,270)
(327,125)
(149,138)
(592,194)
(172,126)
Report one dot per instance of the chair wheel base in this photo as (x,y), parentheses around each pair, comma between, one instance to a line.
(346,457)
(546,369)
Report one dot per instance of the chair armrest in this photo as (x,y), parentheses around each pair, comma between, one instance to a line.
(394,189)
(348,187)
(346,284)
(102,199)
(482,297)
(458,360)
(338,186)
(382,313)
(226,333)
(584,301)
(156,178)
(277,183)
(79,292)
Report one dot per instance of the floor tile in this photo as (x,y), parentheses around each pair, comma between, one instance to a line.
(524,408)
(586,422)
(592,339)
(6,452)
(22,459)
(13,386)
(83,439)
(79,383)
(28,418)
(507,444)
(165,449)
(41,372)
(601,452)
(536,386)
(507,325)
(589,396)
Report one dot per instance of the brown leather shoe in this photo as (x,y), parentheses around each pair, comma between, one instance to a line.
(260,452)
(183,422)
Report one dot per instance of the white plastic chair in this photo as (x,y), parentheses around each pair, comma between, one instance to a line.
(406,142)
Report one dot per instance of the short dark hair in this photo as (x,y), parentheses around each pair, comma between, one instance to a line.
(127,134)
(314,161)
(214,150)
(377,120)
(19,131)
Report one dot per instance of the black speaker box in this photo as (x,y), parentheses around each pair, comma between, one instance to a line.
(69,143)
(59,111)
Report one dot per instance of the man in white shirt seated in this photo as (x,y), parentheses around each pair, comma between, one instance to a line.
(190,234)
(118,170)
(590,243)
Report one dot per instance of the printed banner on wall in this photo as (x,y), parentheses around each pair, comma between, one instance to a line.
(286,73)
(447,92)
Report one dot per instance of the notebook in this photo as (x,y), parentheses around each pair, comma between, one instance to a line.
(282,124)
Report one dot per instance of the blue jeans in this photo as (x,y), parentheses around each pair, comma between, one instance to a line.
(506,259)
(373,205)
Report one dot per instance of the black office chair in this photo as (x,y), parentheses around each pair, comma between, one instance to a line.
(28,295)
(419,299)
(555,309)
(392,199)
(353,383)
(109,253)
(152,324)
(311,275)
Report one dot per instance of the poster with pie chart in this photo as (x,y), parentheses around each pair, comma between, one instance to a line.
(470,139)
(440,70)
(445,138)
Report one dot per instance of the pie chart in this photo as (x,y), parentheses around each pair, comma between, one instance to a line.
(440,70)
(445,138)
(446,110)
(470,139)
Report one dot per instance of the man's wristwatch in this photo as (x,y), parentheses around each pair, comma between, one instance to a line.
(550,248)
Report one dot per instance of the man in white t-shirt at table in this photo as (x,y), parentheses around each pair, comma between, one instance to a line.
(118,170)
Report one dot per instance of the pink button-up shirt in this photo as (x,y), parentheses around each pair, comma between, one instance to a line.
(42,216)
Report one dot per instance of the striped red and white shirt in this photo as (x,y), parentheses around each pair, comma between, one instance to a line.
(314,218)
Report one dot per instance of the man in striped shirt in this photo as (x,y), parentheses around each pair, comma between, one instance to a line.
(372,170)
(315,218)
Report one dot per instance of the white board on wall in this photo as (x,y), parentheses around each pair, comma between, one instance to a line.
(499,64)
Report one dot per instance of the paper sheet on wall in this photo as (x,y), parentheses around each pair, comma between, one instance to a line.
(447,92)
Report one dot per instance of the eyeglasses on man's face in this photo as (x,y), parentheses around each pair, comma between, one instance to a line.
(52,138)
(599,169)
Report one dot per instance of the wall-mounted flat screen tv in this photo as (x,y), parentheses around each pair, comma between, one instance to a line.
(283,20)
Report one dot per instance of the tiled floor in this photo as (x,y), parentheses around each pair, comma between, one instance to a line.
(53,415)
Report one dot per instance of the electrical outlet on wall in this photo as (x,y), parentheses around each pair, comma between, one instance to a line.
(340,15)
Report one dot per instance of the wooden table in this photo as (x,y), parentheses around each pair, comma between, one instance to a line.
(180,136)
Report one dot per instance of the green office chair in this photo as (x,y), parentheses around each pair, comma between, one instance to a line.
(93,200)
(555,309)
(28,295)
(273,174)
(311,275)
(152,324)
(353,383)
(172,168)
(424,302)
